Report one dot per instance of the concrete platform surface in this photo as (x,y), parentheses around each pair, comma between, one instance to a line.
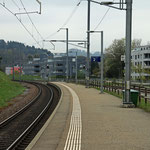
(102,125)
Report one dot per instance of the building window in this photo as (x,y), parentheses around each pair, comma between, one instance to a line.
(135,56)
(59,64)
(146,56)
(147,63)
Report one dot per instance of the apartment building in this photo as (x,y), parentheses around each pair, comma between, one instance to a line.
(54,67)
(59,65)
(141,62)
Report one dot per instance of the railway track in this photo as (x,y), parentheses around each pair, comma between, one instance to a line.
(18,130)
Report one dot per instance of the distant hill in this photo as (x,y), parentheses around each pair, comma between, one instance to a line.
(12,51)
(96,54)
(72,52)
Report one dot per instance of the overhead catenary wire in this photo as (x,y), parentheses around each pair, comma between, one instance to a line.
(16,4)
(31,21)
(102,18)
(21,23)
(71,15)
(67,20)
(3,2)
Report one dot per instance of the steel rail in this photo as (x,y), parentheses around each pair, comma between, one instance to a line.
(33,124)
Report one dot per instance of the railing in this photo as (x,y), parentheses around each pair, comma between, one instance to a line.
(117,87)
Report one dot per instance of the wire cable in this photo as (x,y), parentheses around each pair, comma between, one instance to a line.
(16,4)
(102,19)
(31,20)
(67,20)
(21,24)
(71,15)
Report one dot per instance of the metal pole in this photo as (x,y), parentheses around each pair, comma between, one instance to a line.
(70,70)
(20,65)
(67,65)
(76,68)
(13,72)
(88,46)
(13,66)
(102,62)
(127,99)
(20,73)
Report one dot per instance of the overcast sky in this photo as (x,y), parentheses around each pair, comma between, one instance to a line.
(56,12)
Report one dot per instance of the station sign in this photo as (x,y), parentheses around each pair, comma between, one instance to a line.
(95,59)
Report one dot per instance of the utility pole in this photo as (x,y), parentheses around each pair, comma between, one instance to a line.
(127,99)
(88,46)
(128,3)
(67,59)
(102,59)
(13,78)
(76,67)
(20,65)
(67,63)
(102,62)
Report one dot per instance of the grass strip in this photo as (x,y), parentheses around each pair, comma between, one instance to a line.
(8,89)
(144,106)
(25,77)
(141,105)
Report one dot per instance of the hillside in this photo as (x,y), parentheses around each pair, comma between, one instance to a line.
(8,89)
(72,52)
(14,52)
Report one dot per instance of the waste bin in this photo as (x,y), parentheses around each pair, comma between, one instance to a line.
(134,96)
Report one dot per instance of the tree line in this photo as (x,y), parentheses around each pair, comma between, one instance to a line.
(11,52)
(113,66)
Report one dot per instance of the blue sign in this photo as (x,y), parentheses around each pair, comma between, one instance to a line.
(95,59)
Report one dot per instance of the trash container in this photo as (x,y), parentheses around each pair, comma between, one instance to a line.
(134,96)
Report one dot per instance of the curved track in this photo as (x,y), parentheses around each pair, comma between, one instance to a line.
(18,131)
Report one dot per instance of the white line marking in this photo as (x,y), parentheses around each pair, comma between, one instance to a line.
(73,141)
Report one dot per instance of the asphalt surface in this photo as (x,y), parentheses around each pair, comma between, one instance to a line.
(105,124)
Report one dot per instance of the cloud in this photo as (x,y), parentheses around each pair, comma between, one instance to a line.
(55,13)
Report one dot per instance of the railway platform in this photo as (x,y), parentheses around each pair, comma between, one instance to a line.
(88,120)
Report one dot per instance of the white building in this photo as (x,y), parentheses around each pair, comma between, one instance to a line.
(141,61)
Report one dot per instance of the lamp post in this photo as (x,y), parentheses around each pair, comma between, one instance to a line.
(102,59)
(128,3)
